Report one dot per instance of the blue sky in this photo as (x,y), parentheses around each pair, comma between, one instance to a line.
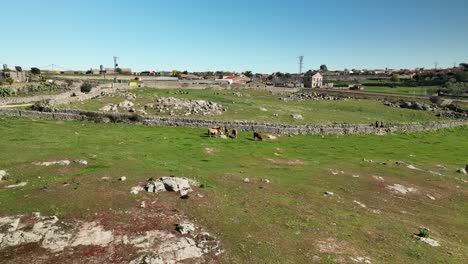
(257,35)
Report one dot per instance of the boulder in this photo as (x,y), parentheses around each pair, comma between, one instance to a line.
(185,228)
(126,104)
(81,162)
(3,175)
(123,178)
(175,184)
(297,116)
(155,186)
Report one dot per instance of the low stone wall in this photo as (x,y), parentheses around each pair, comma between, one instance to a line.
(69,114)
(66,97)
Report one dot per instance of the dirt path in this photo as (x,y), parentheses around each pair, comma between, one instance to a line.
(14,105)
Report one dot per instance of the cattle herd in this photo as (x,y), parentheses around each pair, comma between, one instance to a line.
(225,132)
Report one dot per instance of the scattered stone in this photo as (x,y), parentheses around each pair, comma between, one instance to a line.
(143,204)
(21,184)
(409,166)
(400,188)
(208,243)
(366,260)
(109,108)
(223,136)
(360,204)
(430,197)
(60,162)
(297,116)
(378,178)
(429,241)
(126,104)
(327,193)
(440,166)
(263,109)
(355,176)
(3,175)
(123,178)
(271,137)
(132,110)
(176,106)
(81,162)
(155,186)
(246,180)
(266,180)
(462,171)
(136,189)
(368,160)
(185,228)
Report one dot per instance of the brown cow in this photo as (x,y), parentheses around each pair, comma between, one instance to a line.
(226,131)
(258,136)
(234,133)
(212,132)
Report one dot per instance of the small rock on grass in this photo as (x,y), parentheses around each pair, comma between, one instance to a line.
(246,180)
(3,175)
(185,228)
(81,162)
(123,178)
(327,193)
(462,171)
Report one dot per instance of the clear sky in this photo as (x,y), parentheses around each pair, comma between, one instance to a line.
(258,35)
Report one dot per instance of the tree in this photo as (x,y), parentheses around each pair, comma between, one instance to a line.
(323,67)
(118,70)
(185,72)
(248,74)
(35,71)
(175,73)
(18,68)
(464,65)
(395,78)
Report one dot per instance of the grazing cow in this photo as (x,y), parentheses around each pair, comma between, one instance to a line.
(234,133)
(212,132)
(226,131)
(258,136)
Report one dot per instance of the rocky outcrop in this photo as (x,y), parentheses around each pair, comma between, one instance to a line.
(185,107)
(450,110)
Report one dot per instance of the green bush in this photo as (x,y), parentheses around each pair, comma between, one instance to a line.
(6,92)
(423,232)
(86,87)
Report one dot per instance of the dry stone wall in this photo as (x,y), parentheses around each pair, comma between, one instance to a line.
(342,129)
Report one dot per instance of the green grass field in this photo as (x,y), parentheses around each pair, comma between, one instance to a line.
(286,221)
(248,107)
(411,91)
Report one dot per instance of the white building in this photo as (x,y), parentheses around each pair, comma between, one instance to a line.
(313,81)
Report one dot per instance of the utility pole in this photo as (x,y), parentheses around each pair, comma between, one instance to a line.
(435,65)
(115,70)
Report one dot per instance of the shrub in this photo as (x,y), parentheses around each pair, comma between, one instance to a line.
(86,87)
(35,70)
(9,81)
(435,99)
(6,92)
(42,106)
(423,232)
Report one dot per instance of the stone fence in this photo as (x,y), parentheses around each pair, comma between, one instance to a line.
(68,114)
(66,97)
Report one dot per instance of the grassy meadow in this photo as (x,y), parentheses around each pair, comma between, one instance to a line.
(248,107)
(286,221)
(410,91)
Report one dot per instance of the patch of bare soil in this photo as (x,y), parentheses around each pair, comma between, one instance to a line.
(285,162)
(209,150)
